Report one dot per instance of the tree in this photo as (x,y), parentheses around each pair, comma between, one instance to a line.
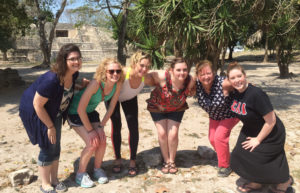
(42,12)
(284,31)
(118,11)
(13,22)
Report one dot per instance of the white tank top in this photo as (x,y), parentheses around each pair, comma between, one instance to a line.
(127,92)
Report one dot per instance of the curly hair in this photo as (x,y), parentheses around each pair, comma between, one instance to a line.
(138,57)
(100,74)
(60,67)
(203,63)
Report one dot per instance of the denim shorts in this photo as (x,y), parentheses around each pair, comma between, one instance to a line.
(174,116)
(51,153)
(75,121)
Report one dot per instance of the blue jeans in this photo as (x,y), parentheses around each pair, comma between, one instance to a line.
(52,153)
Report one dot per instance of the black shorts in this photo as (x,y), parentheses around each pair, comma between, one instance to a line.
(75,121)
(174,116)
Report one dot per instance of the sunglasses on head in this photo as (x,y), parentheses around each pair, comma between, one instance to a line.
(114,71)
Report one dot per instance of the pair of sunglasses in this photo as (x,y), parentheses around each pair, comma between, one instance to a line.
(114,71)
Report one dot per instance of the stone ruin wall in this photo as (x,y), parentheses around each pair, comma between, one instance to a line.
(94,43)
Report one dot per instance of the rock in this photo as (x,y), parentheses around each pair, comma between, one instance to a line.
(206,152)
(152,157)
(21,177)
(89,168)
(10,78)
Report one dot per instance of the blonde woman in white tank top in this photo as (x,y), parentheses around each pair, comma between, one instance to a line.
(136,76)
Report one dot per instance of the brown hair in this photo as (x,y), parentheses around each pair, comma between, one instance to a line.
(100,74)
(203,63)
(138,57)
(235,65)
(176,61)
(60,67)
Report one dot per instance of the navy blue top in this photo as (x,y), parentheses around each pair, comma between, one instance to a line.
(48,86)
(215,104)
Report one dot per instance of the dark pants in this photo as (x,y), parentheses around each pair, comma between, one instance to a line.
(130,109)
(52,153)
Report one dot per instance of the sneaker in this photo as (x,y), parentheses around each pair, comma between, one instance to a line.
(100,175)
(224,172)
(60,187)
(84,180)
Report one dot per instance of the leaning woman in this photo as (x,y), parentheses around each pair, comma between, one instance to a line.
(167,104)
(43,109)
(212,91)
(84,118)
(135,80)
(259,155)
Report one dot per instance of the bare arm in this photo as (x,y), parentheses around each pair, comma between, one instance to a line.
(112,104)
(252,142)
(192,86)
(83,103)
(227,88)
(39,107)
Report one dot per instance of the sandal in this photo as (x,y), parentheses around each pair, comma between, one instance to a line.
(165,168)
(117,168)
(172,168)
(248,188)
(289,189)
(132,171)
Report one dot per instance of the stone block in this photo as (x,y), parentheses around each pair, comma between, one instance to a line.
(152,157)
(89,168)
(206,152)
(21,177)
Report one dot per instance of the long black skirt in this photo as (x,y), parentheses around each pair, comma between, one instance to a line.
(267,163)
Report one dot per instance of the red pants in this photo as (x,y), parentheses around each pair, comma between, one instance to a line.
(219,132)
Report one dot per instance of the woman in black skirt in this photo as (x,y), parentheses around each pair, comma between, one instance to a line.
(259,155)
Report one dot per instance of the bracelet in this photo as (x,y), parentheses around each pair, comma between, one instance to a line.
(90,131)
(100,127)
(52,126)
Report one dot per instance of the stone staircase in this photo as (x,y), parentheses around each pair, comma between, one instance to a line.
(94,43)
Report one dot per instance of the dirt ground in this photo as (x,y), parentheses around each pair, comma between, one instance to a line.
(196,174)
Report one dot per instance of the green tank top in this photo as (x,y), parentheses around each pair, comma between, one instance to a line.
(94,101)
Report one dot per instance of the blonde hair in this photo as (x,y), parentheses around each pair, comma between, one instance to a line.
(100,74)
(235,65)
(203,63)
(138,57)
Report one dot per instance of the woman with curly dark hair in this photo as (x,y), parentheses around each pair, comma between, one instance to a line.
(43,109)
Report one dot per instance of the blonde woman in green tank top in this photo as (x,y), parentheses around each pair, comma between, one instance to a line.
(84,119)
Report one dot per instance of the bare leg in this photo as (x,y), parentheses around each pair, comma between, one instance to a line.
(161,127)
(87,152)
(44,172)
(173,127)
(100,151)
(54,170)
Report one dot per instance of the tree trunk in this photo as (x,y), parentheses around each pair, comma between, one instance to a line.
(222,73)
(266,49)
(122,34)
(230,52)
(5,56)
(46,44)
(283,66)
(213,54)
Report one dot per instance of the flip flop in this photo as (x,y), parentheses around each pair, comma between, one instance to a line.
(250,189)
(117,168)
(132,171)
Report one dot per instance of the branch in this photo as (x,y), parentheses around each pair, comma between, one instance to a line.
(112,15)
(57,16)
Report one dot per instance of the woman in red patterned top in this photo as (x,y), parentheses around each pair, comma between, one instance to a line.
(167,105)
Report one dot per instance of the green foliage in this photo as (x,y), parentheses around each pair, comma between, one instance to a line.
(149,44)
(13,22)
